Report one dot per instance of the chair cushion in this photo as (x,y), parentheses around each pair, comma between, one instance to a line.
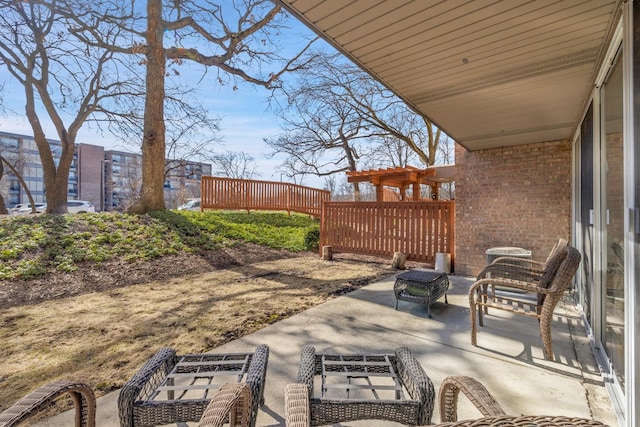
(550,272)
(552,268)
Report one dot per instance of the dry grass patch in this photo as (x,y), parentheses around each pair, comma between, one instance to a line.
(103,337)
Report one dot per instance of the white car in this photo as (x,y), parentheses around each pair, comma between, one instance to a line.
(22,206)
(80,206)
(73,206)
(191,205)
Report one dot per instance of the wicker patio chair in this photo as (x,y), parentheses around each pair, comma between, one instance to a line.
(549,288)
(41,398)
(298,408)
(138,402)
(414,393)
(518,268)
(230,404)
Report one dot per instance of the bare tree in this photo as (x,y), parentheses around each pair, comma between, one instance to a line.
(234,37)
(446,156)
(236,164)
(61,78)
(190,138)
(322,135)
(336,114)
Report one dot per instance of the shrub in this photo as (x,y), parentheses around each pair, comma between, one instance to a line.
(312,238)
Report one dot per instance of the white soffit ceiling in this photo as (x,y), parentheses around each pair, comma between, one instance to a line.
(489,73)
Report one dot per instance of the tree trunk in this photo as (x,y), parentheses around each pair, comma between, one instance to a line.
(56,178)
(3,208)
(153,140)
(356,192)
(24,184)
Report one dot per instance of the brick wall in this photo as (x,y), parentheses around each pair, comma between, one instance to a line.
(511,196)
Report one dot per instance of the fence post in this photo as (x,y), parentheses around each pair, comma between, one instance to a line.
(323,231)
(399,260)
(247,193)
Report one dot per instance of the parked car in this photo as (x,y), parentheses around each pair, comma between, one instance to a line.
(73,206)
(80,206)
(191,205)
(14,210)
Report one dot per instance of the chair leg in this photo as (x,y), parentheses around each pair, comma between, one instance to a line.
(472,317)
(484,294)
(545,334)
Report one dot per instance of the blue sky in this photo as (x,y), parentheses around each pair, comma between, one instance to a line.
(245,120)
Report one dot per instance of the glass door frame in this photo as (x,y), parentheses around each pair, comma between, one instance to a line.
(626,401)
(631,84)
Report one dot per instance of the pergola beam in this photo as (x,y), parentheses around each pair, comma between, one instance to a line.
(401,178)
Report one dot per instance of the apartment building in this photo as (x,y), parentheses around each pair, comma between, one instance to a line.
(109,179)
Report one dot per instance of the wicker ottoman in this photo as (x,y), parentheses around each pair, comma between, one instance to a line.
(173,388)
(421,287)
(389,386)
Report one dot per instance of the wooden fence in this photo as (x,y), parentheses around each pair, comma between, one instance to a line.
(417,229)
(247,194)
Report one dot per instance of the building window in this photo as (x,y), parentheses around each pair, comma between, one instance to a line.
(14,185)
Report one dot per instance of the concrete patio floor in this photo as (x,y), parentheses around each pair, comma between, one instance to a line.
(508,360)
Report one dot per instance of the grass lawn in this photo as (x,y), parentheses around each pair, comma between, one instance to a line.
(103,334)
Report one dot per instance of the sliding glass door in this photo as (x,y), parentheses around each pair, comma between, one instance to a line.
(586,213)
(612,224)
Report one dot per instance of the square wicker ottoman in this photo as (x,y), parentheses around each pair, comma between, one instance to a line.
(421,287)
(348,387)
(173,388)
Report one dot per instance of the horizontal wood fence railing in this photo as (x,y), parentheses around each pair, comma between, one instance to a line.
(417,229)
(247,194)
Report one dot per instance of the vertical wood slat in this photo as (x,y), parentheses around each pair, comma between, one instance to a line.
(419,229)
(245,194)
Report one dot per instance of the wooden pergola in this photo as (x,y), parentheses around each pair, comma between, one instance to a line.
(404,178)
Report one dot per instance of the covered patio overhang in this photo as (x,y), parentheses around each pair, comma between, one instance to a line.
(521,87)
(490,74)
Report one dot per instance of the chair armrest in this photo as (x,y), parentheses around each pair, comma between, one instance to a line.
(507,270)
(525,421)
(147,379)
(297,410)
(84,402)
(307,368)
(533,265)
(475,392)
(257,373)
(417,382)
(256,378)
(232,402)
